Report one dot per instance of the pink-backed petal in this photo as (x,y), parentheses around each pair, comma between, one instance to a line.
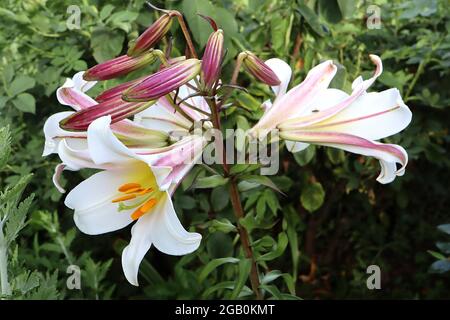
(388,154)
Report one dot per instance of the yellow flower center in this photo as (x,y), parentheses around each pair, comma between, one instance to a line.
(134,195)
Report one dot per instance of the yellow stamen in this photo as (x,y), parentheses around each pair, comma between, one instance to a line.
(124,198)
(133,190)
(139,212)
(145,191)
(127,186)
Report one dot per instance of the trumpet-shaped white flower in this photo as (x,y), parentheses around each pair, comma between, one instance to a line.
(134,186)
(312,113)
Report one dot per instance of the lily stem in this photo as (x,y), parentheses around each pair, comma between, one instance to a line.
(186,34)
(237,208)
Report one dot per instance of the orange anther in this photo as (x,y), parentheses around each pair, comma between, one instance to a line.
(127,186)
(124,198)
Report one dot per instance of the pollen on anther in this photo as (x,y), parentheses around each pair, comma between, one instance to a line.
(124,198)
(139,212)
(127,186)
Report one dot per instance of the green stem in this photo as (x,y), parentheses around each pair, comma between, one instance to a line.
(419,72)
(6,289)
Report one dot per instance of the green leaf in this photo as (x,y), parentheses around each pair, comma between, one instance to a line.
(220,198)
(21,84)
(244,268)
(310,17)
(444,247)
(347,7)
(209,182)
(305,156)
(278,250)
(5,146)
(330,10)
(213,265)
(440,266)
(312,196)
(437,255)
(106,43)
(25,102)
(260,180)
(223,225)
(444,228)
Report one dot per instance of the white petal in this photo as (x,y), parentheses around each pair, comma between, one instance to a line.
(69,96)
(80,84)
(91,200)
(299,98)
(283,72)
(56,176)
(373,116)
(162,228)
(76,159)
(161,117)
(104,147)
(53,133)
(387,154)
(294,146)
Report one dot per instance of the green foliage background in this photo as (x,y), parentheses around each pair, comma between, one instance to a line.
(334,220)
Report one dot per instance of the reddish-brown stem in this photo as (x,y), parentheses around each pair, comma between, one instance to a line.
(238,210)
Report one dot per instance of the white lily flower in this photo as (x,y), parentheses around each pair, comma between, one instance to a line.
(134,186)
(312,113)
(72,94)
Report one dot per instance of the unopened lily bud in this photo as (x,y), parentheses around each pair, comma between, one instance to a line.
(117,91)
(212,58)
(118,66)
(152,35)
(163,82)
(116,108)
(259,69)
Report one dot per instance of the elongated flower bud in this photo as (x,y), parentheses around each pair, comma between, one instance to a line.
(152,35)
(163,82)
(116,108)
(117,91)
(259,69)
(118,67)
(212,58)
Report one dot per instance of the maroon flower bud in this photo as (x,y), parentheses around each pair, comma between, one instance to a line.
(259,69)
(118,90)
(118,67)
(115,107)
(164,81)
(212,58)
(152,35)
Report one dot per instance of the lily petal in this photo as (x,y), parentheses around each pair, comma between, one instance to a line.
(54,134)
(293,103)
(105,148)
(94,211)
(373,116)
(283,72)
(387,154)
(162,228)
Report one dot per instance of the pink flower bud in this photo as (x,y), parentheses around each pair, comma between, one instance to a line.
(115,107)
(152,35)
(212,58)
(118,67)
(164,81)
(259,69)
(118,90)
